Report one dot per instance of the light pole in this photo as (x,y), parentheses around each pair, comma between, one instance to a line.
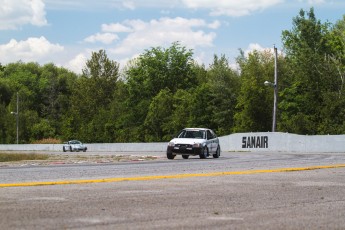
(17,117)
(275,87)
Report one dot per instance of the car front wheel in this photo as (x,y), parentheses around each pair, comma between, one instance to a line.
(203,153)
(170,156)
(217,154)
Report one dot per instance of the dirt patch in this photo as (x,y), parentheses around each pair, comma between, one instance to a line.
(57,159)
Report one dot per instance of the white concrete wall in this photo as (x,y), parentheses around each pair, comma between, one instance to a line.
(276,142)
(128,147)
(105,147)
(286,142)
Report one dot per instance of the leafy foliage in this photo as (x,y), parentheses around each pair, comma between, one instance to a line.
(253,105)
(164,90)
(313,59)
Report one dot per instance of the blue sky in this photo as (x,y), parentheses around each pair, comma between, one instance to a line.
(67,32)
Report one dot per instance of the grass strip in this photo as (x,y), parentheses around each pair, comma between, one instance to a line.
(7,157)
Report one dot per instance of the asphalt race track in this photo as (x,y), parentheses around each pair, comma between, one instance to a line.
(236,191)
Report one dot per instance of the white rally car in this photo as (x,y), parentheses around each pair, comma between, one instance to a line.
(200,142)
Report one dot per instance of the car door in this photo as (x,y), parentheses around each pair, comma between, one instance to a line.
(210,141)
(215,141)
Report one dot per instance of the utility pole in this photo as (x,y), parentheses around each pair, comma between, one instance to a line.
(275,87)
(274,124)
(17,118)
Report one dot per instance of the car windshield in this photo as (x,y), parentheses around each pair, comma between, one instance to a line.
(75,142)
(199,134)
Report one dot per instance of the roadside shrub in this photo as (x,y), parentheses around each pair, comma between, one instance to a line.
(48,141)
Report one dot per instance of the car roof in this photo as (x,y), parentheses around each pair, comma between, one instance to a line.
(196,129)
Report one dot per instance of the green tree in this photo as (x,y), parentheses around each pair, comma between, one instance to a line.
(254,103)
(200,110)
(333,110)
(224,85)
(22,78)
(92,95)
(103,74)
(155,70)
(181,115)
(312,83)
(159,112)
(42,129)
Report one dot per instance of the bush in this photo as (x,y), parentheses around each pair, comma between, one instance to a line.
(48,141)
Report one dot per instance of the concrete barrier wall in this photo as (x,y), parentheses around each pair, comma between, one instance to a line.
(265,142)
(105,147)
(129,147)
(283,142)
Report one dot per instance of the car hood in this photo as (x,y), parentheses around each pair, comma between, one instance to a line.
(77,145)
(187,141)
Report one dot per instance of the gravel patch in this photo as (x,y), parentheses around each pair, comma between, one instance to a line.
(59,159)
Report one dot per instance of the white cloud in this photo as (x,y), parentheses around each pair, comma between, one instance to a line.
(78,63)
(219,7)
(33,49)
(234,8)
(315,2)
(128,5)
(119,4)
(115,28)
(215,25)
(106,38)
(139,35)
(231,7)
(16,13)
(163,32)
(255,46)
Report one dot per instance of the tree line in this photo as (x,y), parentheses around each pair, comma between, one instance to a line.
(165,90)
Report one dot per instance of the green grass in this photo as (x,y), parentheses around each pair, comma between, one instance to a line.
(5,157)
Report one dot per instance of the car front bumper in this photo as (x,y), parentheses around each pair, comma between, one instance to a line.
(184,150)
(79,148)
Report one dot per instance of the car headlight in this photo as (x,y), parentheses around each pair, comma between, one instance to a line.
(171,144)
(196,145)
